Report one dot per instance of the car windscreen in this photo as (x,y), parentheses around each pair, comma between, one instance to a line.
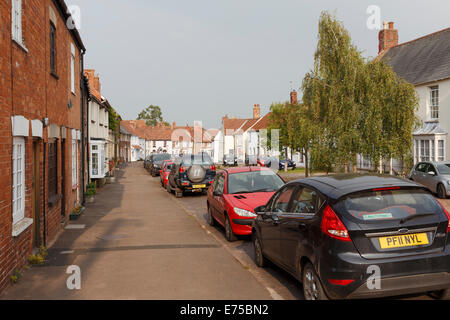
(373,206)
(161,157)
(198,159)
(443,168)
(254,181)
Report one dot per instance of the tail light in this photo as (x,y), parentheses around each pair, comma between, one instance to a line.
(182,169)
(448,216)
(213,168)
(333,226)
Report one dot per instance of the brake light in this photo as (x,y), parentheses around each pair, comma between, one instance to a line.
(213,168)
(340,282)
(333,226)
(182,169)
(448,216)
(386,189)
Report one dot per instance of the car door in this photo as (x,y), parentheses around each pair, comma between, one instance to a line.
(217,203)
(419,172)
(269,222)
(297,226)
(431,178)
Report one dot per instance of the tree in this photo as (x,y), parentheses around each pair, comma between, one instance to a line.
(152,115)
(356,106)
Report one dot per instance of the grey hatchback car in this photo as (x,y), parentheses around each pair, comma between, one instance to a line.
(433,175)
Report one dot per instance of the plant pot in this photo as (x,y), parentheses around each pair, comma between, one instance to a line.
(75,216)
(90,199)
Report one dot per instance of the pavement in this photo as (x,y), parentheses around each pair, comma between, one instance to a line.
(136,242)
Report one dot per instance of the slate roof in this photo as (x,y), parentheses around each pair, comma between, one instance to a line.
(430,128)
(423,60)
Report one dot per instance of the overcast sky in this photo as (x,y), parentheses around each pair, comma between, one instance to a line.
(203,59)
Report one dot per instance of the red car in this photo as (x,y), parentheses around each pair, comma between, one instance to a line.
(234,195)
(166,166)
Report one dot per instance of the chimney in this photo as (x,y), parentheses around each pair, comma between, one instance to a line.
(388,37)
(256,111)
(294,97)
(174,124)
(97,85)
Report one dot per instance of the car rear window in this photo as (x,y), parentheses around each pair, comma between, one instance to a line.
(385,205)
(162,156)
(199,159)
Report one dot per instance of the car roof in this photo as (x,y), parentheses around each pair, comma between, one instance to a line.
(339,185)
(244,169)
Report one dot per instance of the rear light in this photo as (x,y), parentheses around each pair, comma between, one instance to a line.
(182,169)
(340,282)
(184,184)
(213,168)
(333,227)
(448,216)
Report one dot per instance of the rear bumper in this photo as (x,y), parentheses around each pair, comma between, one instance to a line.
(397,276)
(404,285)
(188,186)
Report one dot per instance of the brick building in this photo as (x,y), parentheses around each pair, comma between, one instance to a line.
(42,127)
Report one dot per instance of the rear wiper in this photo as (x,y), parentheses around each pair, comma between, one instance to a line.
(415,216)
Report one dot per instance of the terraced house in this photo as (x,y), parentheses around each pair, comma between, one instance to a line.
(42,126)
(424,62)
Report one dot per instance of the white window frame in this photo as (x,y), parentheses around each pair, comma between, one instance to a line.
(18,181)
(16,25)
(72,68)
(439,149)
(74,163)
(434,102)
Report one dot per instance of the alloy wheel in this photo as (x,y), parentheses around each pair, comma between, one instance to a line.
(310,286)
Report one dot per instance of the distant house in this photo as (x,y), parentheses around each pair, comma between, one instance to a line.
(425,63)
(138,141)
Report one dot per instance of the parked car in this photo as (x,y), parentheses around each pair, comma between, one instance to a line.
(433,175)
(146,162)
(166,166)
(251,160)
(154,162)
(234,195)
(290,164)
(332,232)
(269,162)
(191,173)
(230,160)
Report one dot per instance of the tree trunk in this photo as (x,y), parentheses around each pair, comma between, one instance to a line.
(306,164)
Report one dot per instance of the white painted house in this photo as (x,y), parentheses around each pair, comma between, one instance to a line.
(424,62)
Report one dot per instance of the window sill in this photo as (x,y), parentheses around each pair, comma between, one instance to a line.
(21,226)
(21,45)
(53,200)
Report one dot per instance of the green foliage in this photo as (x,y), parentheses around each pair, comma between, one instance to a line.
(16,276)
(355,106)
(114,120)
(91,189)
(39,258)
(152,115)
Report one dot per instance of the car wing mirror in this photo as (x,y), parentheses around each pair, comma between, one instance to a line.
(431,173)
(261,210)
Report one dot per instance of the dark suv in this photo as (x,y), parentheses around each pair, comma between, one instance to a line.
(191,173)
(155,161)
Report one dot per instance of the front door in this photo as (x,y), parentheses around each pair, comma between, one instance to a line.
(36,194)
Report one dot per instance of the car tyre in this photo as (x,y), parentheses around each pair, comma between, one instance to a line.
(442,193)
(312,287)
(260,260)
(440,295)
(229,234)
(211,220)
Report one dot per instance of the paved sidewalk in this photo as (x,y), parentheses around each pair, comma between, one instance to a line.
(138,244)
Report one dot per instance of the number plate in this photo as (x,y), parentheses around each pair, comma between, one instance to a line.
(406,240)
(199,186)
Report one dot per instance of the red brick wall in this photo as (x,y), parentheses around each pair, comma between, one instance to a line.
(28,89)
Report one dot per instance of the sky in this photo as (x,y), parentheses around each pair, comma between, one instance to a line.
(200,60)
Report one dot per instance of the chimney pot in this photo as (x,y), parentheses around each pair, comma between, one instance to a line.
(256,111)
(294,97)
(388,38)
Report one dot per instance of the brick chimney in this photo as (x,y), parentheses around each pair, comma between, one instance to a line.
(174,124)
(97,84)
(256,111)
(294,97)
(388,37)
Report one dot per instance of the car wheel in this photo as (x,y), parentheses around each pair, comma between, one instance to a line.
(211,220)
(229,234)
(312,287)
(440,295)
(205,192)
(260,260)
(442,193)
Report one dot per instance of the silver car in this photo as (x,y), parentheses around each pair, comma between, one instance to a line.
(433,175)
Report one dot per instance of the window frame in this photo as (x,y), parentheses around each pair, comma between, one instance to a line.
(53,181)
(72,68)
(16,21)
(434,102)
(18,214)
(52,41)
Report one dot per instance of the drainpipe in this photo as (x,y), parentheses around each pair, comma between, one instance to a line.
(83,144)
(45,201)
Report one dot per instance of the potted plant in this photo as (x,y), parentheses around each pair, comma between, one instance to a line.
(91,191)
(76,213)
